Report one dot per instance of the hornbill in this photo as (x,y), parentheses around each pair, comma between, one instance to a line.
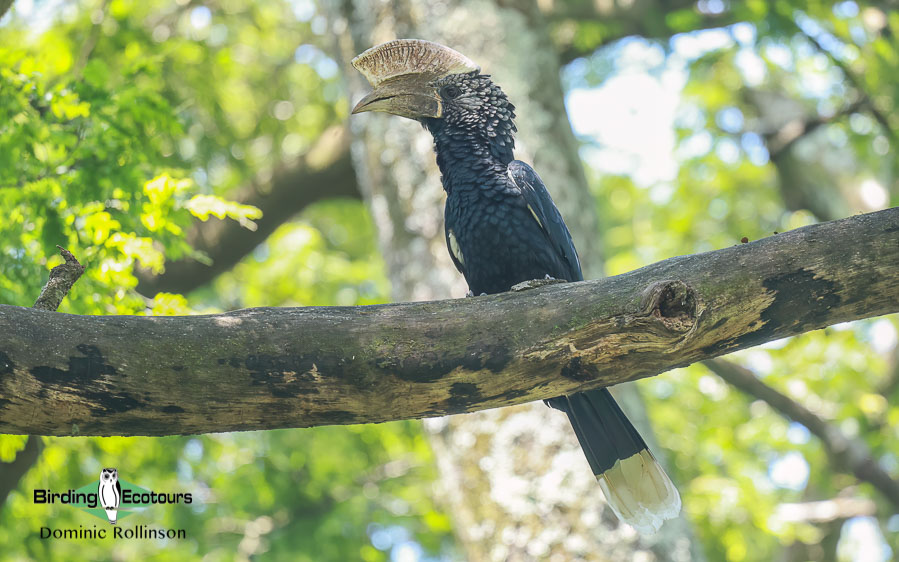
(502,228)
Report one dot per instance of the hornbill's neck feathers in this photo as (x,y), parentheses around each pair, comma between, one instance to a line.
(477,126)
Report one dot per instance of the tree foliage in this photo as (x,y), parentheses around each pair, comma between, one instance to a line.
(119,126)
(743,85)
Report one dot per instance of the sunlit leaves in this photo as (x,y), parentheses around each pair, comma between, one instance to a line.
(169,304)
(202,206)
(80,160)
(10,446)
(328,259)
(138,248)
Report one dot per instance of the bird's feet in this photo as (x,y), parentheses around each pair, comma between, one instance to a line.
(535,283)
(471,294)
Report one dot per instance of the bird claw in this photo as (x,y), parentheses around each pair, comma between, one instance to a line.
(471,294)
(535,283)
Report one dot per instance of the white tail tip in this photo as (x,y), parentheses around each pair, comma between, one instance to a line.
(640,493)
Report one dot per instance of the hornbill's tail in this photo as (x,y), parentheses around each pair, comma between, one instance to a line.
(635,485)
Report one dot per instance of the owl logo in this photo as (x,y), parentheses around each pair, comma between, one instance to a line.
(110,492)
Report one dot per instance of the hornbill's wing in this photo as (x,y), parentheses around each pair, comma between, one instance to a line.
(547,215)
(635,485)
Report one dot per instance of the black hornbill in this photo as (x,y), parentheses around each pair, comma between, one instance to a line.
(503,228)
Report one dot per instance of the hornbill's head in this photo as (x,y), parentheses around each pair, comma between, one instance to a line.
(433,84)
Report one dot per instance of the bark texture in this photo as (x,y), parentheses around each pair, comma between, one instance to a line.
(267,368)
(59,283)
(62,277)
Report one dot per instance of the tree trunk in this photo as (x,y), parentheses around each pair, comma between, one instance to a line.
(517,481)
(5,5)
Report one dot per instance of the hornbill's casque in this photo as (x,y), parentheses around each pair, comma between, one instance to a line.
(502,228)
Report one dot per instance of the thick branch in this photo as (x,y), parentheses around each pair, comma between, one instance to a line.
(5,5)
(647,19)
(850,455)
(298,367)
(325,172)
(62,277)
(825,511)
(828,517)
(12,472)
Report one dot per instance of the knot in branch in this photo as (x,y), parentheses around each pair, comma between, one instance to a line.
(673,303)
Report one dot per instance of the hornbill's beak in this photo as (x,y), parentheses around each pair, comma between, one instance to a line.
(401,73)
(408,95)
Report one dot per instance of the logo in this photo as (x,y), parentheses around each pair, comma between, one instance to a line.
(110,492)
(111,499)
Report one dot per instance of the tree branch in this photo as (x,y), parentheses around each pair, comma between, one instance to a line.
(856,82)
(825,511)
(849,455)
(90,42)
(5,5)
(798,188)
(300,367)
(648,19)
(62,277)
(12,472)
(324,172)
(785,137)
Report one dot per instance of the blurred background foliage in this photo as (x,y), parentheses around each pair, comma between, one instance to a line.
(123,124)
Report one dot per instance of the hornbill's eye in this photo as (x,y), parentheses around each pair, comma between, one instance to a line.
(451,91)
